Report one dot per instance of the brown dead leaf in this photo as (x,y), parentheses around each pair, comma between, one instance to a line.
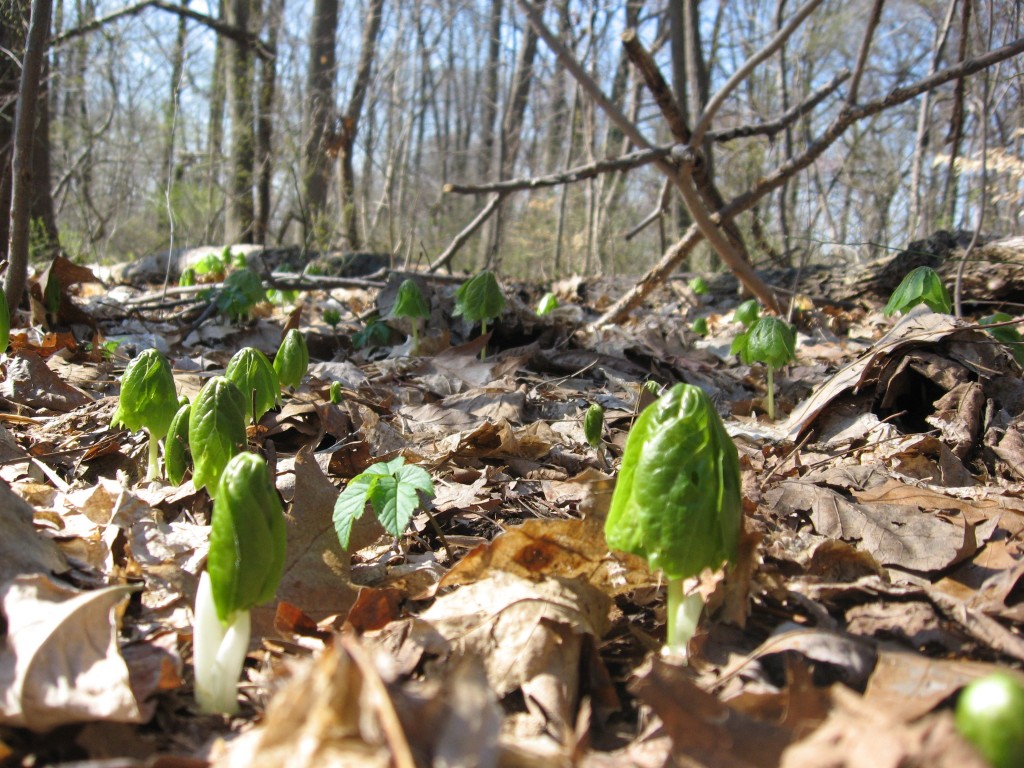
(31,383)
(22,550)
(61,662)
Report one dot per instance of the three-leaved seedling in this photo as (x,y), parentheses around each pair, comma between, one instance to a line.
(148,401)
(251,371)
(292,359)
(216,430)
(411,304)
(921,285)
(243,569)
(773,342)
(480,299)
(392,488)
(677,500)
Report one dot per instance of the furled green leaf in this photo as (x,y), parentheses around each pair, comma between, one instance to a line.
(700,326)
(920,286)
(176,451)
(1007,334)
(247,537)
(211,264)
(5,322)
(747,313)
(335,392)
(242,290)
(251,371)
(188,277)
(480,298)
(292,359)
(771,341)
(677,499)
(332,316)
(699,286)
(148,396)
(593,424)
(216,430)
(375,334)
(410,301)
(548,303)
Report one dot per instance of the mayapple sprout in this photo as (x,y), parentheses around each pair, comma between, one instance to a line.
(921,285)
(251,371)
(747,313)
(480,299)
(148,401)
(700,326)
(593,425)
(773,342)
(699,286)
(1007,334)
(990,715)
(243,569)
(411,304)
(176,451)
(677,500)
(216,430)
(292,359)
(548,303)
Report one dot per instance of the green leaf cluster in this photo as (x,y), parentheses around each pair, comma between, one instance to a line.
(242,290)
(216,430)
(699,286)
(377,333)
(392,488)
(148,397)
(1007,334)
(480,299)
(292,359)
(677,500)
(548,303)
(247,537)
(188,277)
(251,371)
(747,313)
(920,286)
(332,317)
(410,302)
(771,341)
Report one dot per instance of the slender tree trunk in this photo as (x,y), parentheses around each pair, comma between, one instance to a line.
(265,122)
(241,211)
(489,106)
(25,128)
(320,76)
(215,130)
(171,111)
(956,126)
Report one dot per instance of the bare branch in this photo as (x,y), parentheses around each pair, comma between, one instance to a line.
(461,238)
(579,173)
(653,216)
(865,48)
(715,102)
(787,118)
(657,85)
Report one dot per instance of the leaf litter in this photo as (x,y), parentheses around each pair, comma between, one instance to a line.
(879,569)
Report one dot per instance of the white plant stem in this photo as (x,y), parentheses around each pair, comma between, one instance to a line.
(771,393)
(218,652)
(683,616)
(153,472)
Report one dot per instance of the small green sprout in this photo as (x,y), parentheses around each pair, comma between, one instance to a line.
(177,456)
(480,299)
(747,313)
(188,277)
(376,334)
(244,567)
(548,303)
(700,326)
(393,489)
(652,388)
(773,342)
(5,323)
(699,286)
(148,401)
(411,304)
(332,317)
(990,715)
(1007,334)
(593,425)
(335,392)
(242,290)
(251,371)
(920,286)
(281,297)
(216,430)
(677,500)
(292,359)
(212,265)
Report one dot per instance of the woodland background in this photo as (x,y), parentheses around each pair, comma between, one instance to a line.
(337,125)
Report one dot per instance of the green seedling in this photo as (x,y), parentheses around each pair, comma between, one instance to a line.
(699,286)
(243,570)
(216,430)
(411,304)
(920,286)
(177,456)
(5,323)
(212,265)
(480,299)
(1007,334)
(242,290)
(188,277)
(332,317)
(292,359)
(773,342)
(700,326)
(335,392)
(282,297)
(377,333)
(548,303)
(251,371)
(593,425)
(392,488)
(677,500)
(747,313)
(990,715)
(148,401)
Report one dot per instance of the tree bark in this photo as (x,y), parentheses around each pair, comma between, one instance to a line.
(241,211)
(265,123)
(320,76)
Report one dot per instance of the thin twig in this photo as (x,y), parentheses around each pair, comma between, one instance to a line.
(865,49)
(461,238)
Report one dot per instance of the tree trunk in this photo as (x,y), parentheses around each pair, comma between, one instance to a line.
(241,211)
(171,112)
(320,76)
(265,122)
(215,129)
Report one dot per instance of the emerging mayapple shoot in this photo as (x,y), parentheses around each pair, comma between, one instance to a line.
(411,304)
(177,456)
(548,303)
(480,299)
(921,285)
(677,499)
(148,401)
(292,359)
(773,342)
(243,569)
(251,371)
(216,430)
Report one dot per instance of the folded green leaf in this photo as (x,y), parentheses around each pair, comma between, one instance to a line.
(177,456)
(548,303)
(251,371)
(410,301)
(216,430)
(480,298)
(593,425)
(747,313)
(148,397)
(771,341)
(292,359)
(920,286)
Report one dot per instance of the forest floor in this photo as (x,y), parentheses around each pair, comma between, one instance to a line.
(878,570)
